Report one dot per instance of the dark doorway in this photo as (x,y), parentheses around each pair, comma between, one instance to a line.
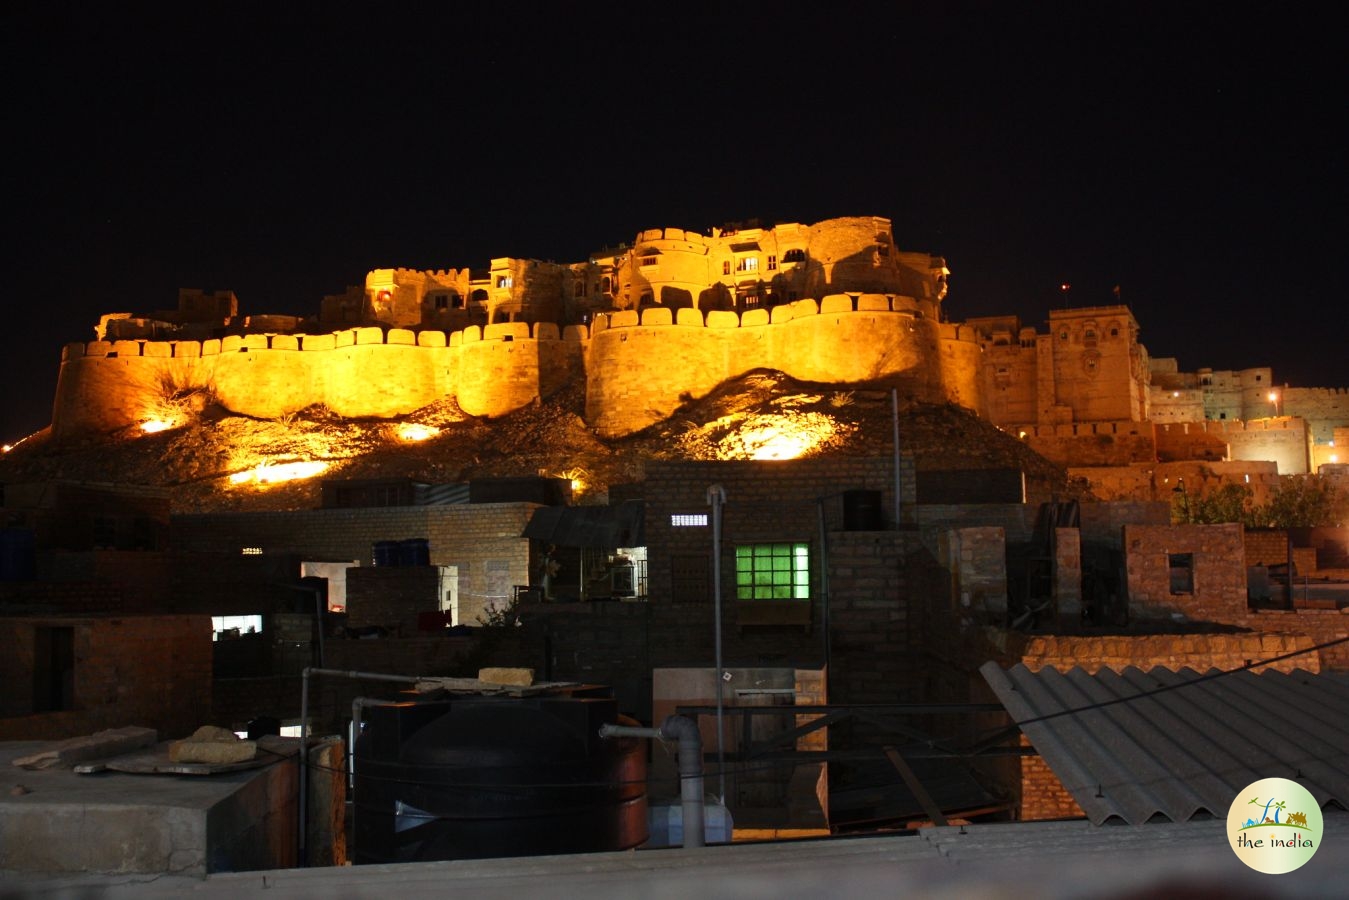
(53,669)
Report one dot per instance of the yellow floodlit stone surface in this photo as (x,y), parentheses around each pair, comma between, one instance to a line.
(499,675)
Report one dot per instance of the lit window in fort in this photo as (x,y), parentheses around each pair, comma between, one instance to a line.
(411,432)
(251,551)
(272,474)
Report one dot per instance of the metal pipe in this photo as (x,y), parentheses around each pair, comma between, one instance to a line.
(716,495)
(824,585)
(320,602)
(685,731)
(612,731)
(894,414)
(301,848)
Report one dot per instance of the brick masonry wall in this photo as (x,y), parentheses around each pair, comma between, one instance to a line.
(1269,547)
(152,671)
(393,596)
(61,598)
(1317,626)
(1042,795)
(1217,590)
(482,539)
(1200,652)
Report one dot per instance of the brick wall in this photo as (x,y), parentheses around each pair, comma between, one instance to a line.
(879,583)
(1215,590)
(1041,794)
(394,596)
(1200,652)
(1266,547)
(152,671)
(481,539)
(977,561)
(61,598)
(1318,626)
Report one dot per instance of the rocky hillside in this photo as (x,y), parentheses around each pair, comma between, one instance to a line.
(210,461)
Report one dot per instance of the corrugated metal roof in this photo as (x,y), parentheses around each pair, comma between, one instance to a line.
(1180,751)
(589,526)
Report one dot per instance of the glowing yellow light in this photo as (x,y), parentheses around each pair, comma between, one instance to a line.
(576,477)
(410,432)
(1273,397)
(768,437)
(1175,393)
(1021,434)
(1334,457)
(271,474)
(7,448)
(154,425)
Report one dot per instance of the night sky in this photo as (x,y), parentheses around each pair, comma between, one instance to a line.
(1190,153)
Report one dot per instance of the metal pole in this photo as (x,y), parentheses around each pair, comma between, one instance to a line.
(301,851)
(716,495)
(320,601)
(824,583)
(894,415)
(304,735)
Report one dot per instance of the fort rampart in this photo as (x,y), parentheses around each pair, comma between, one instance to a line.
(638,366)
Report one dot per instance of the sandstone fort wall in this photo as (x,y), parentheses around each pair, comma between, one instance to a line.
(637,366)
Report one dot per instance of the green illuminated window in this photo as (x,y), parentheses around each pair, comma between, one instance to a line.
(772,572)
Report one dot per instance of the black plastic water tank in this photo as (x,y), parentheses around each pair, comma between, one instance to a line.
(477,777)
(386,553)
(414,552)
(18,554)
(862,511)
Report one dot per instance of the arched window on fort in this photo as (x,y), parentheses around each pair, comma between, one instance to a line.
(579,289)
(441,301)
(606,285)
(1089,336)
(795,255)
(480,297)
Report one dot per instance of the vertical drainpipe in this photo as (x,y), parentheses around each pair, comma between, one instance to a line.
(894,415)
(685,731)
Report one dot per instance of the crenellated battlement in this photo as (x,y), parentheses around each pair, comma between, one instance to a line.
(638,365)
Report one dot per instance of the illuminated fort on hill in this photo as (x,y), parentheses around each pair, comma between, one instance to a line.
(670,317)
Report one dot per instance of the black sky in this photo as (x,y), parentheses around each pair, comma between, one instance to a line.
(1190,153)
